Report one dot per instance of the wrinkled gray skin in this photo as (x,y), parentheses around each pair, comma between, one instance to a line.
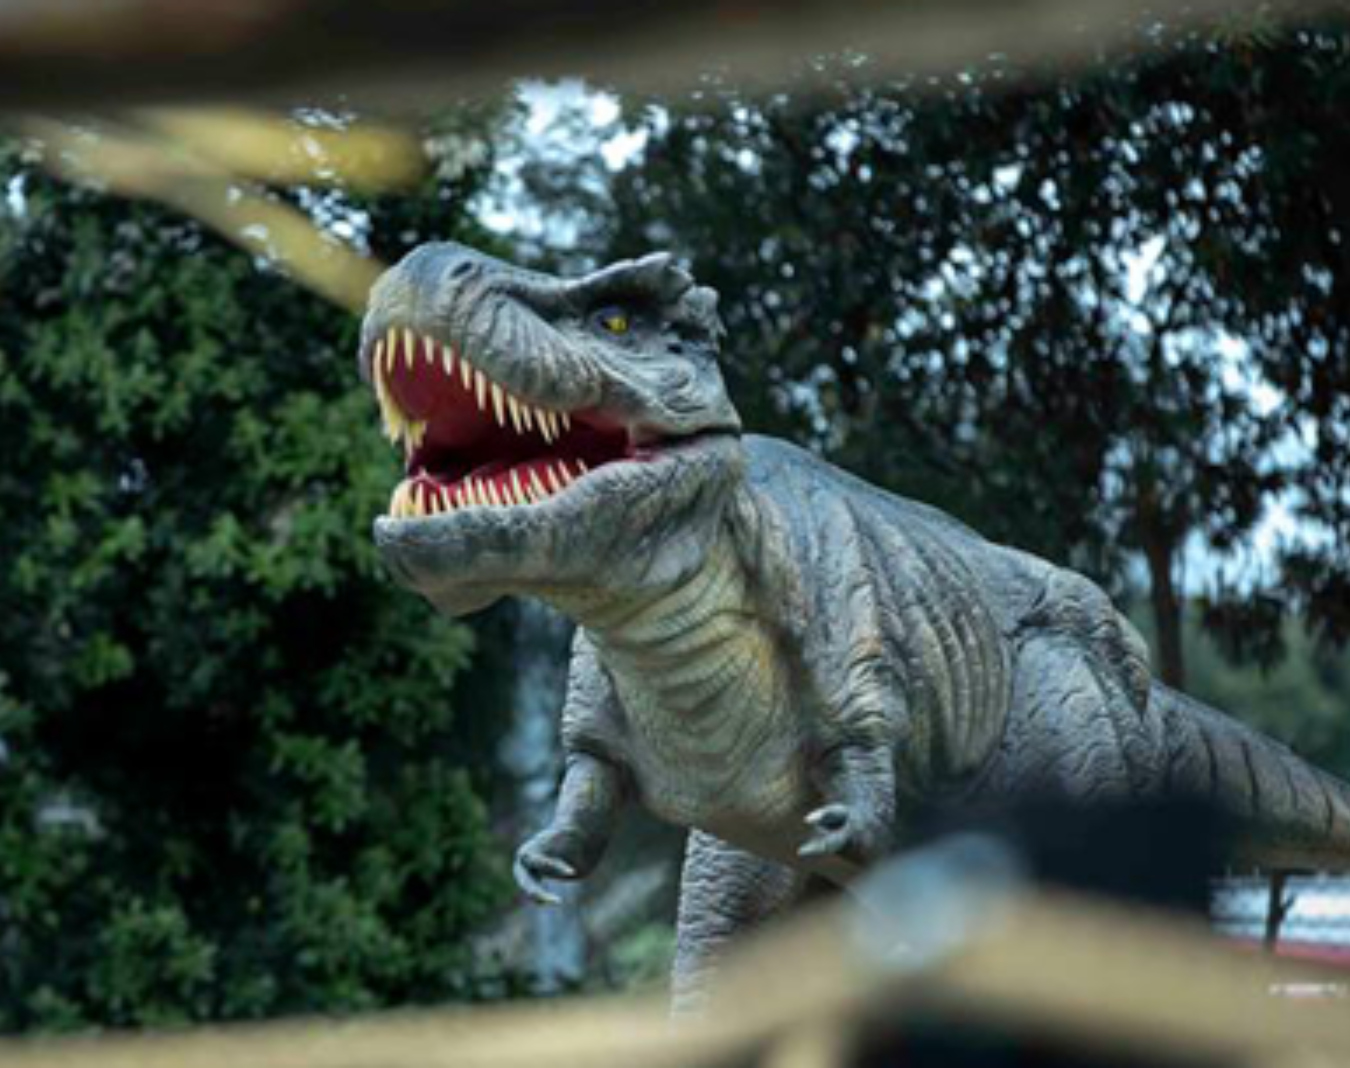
(775,654)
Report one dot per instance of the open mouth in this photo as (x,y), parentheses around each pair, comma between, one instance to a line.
(470,442)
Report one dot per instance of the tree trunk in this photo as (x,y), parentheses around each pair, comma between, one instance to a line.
(1160,551)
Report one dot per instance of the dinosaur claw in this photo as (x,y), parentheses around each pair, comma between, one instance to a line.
(532,868)
(829,817)
(824,845)
(832,831)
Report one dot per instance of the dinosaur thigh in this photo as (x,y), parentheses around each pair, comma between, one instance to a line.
(1075,728)
(724,892)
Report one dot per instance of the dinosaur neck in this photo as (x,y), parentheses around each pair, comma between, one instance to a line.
(694,647)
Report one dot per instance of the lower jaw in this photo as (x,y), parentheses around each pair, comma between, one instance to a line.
(525,483)
(521,483)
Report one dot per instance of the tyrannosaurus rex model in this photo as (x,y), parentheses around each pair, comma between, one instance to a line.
(769,652)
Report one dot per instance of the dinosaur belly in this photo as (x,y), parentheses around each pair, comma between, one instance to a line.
(764,793)
(738,771)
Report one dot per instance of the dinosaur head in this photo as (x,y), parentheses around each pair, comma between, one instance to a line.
(561,436)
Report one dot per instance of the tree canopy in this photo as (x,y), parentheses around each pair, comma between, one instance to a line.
(1101,315)
(239,766)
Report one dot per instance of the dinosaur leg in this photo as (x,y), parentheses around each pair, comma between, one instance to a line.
(724,891)
(1075,728)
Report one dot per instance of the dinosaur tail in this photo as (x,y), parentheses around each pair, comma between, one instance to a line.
(1291,815)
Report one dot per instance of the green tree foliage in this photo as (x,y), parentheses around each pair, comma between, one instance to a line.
(235,762)
(1099,315)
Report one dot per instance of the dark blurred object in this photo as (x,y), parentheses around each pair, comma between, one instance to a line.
(1161,854)
(75,55)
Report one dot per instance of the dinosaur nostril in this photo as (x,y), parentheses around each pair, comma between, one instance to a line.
(460,269)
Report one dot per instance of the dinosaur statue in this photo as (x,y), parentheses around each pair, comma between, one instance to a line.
(770,652)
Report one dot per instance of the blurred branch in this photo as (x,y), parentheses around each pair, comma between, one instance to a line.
(1092,975)
(276,150)
(412,53)
(200,163)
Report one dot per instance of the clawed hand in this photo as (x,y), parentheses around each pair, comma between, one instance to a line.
(838,828)
(539,859)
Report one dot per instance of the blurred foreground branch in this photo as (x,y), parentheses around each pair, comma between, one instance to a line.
(1090,975)
(209,164)
(412,53)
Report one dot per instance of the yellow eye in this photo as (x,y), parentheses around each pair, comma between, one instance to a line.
(615,323)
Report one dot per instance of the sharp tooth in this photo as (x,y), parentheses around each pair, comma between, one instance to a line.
(465,371)
(393,429)
(435,502)
(460,496)
(448,361)
(527,415)
(543,422)
(515,485)
(409,347)
(377,360)
(429,349)
(550,424)
(480,388)
(401,500)
(568,477)
(539,492)
(382,398)
(393,501)
(553,484)
(391,349)
(582,464)
(513,406)
(566,420)
(492,492)
(498,404)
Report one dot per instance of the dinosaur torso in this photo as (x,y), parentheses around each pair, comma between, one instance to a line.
(825,612)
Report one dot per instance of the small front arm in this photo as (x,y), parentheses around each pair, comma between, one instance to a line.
(857,822)
(594,788)
(592,795)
